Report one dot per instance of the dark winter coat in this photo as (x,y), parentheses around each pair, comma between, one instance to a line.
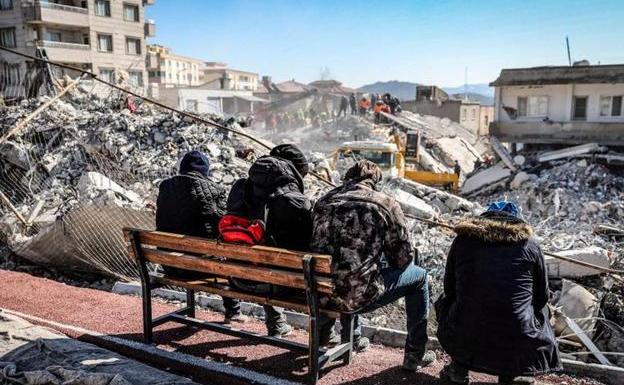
(357,225)
(190,204)
(494,317)
(274,193)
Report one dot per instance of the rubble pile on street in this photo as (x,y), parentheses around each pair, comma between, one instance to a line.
(84,153)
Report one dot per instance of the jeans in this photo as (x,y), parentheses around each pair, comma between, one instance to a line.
(410,283)
(273,316)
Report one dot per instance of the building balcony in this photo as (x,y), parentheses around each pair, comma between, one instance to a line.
(151,61)
(568,132)
(150,28)
(50,13)
(65,52)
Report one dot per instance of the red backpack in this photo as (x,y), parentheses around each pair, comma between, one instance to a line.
(235,229)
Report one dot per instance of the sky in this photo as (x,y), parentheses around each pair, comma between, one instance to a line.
(360,42)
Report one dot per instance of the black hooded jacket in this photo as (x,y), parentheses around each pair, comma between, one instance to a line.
(190,204)
(273,193)
(494,317)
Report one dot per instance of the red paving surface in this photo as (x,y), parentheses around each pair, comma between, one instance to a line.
(120,316)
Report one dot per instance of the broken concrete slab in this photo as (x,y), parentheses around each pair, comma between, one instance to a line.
(569,152)
(579,304)
(502,152)
(413,205)
(484,178)
(558,268)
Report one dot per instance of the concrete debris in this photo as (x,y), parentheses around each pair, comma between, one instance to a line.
(485,178)
(579,304)
(563,269)
(570,152)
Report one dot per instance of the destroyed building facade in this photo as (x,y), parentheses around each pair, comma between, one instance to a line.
(568,105)
(101,36)
(432,100)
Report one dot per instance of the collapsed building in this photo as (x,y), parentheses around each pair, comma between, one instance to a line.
(85,167)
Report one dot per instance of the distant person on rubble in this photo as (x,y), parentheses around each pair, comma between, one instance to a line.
(457,168)
(344,103)
(493,316)
(353,104)
(272,197)
(364,106)
(374,98)
(190,203)
(374,262)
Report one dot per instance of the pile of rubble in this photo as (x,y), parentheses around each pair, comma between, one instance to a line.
(85,167)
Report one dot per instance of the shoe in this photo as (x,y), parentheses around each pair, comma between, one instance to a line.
(360,344)
(455,374)
(236,317)
(520,380)
(414,361)
(330,340)
(280,330)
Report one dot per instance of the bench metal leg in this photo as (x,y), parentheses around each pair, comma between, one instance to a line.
(147,312)
(146,287)
(346,335)
(313,304)
(190,302)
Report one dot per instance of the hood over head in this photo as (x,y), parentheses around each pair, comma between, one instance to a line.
(363,170)
(195,161)
(293,154)
(271,176)
(495,227)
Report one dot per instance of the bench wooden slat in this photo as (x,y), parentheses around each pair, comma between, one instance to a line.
(233,269)
(257,254)
(227,291)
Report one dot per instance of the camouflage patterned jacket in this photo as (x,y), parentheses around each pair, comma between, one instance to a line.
(359,227)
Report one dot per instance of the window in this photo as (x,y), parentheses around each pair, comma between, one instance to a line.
(474,114)
(611,106)
(6,5)
(107,74)
(133,46)
(580,108)
(533,106)
(131,12)
(135,78)
(243,78)
(102,8)
(7,37)
(54,36)
(463,114)
(191,105)
(105,43)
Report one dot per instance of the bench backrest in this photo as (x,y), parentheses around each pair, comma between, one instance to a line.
(256,263)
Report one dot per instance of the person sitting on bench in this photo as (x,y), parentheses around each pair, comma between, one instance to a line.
(191,204)
(366,234)
(273,194)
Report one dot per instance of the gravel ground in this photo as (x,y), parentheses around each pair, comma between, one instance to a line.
(121,316)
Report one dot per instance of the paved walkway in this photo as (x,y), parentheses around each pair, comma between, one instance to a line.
(120,316)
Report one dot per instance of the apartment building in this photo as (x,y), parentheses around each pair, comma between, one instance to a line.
(106,37)
(560,104)
(217,75)
(168,69)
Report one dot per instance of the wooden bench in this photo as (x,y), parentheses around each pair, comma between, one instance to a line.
(305,273)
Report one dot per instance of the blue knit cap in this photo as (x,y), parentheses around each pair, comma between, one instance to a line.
(195,161)
(504,207)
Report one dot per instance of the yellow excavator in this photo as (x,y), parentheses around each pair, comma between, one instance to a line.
(400,158)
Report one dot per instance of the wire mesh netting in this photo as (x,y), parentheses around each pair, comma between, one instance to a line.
(85,166)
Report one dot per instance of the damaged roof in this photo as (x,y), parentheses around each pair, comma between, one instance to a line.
(582,74)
